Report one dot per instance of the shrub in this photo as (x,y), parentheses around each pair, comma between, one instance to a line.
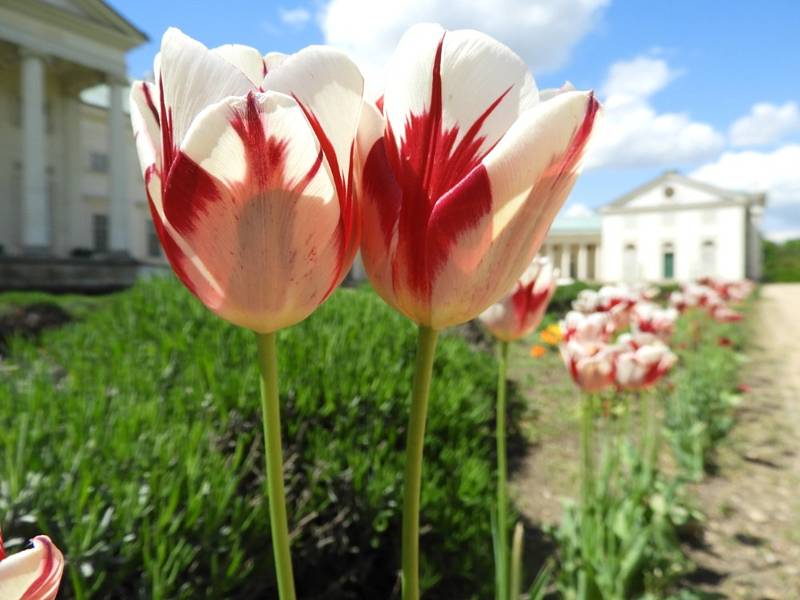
(133,438)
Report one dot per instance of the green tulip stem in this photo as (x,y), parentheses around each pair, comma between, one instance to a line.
(426,348)
(502,471)
(270,404)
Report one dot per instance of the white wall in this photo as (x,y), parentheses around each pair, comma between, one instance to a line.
(686,230)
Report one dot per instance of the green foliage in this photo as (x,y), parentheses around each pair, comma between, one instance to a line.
(781,261)
(623,542)
(133,438)
(699,412)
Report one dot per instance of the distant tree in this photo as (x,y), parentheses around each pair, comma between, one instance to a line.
(782,261)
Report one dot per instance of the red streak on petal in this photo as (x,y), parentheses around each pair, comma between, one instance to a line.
(2,547)
(379,104)
(168,148)
(348,227)
(148,98)
(46,584)
(445,190)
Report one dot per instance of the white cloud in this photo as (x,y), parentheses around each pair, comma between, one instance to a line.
(295,17)
(783,235)
(542,32)
(578,210)
(765,124)
(633,134)
(776,173)
(639,78)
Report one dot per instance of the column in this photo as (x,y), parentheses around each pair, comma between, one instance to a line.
(566,250)
(68,211)
(118,134)
(583,258)
(598,274)
(35,211)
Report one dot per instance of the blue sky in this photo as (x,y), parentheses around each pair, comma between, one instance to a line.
(688,74)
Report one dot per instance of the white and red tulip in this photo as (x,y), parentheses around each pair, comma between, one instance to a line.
(590,363)
(640,361)
(594,327)
(32,574)
(724,314)
(464,167)
(519,313)
(648,317)
(248,164)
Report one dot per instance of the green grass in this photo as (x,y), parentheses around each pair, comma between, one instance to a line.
(132,437)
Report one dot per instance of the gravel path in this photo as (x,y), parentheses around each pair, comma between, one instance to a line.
(752,535)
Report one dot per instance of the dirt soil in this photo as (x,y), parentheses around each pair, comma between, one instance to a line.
(752,504)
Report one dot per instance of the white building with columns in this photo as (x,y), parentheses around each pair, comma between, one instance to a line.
(72,205)
(672,228)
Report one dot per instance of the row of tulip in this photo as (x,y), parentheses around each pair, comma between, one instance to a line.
(629,512)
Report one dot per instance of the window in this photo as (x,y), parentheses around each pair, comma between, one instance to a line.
(629,270)
(669,261)
(100,232)
(591,257)
(669,191)
(98,162)
(573,262)
(708,258)
(153,243)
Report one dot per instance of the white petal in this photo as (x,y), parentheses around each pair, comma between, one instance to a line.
(248,60)
(193,77)
(144,119)
(476,71)
(273,60)
(328,85)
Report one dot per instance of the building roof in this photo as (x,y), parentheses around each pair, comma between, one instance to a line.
(584,223)
(675,177)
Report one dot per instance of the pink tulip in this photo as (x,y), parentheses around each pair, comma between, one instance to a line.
(465,167)
(591,364)
(650,318)
(519,313)
(641,361)
(33,574)
(249,163)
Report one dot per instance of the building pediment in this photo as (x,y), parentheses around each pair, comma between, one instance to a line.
(673,191)
(93,19)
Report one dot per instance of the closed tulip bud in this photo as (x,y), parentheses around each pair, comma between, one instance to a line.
(519,313)
(248,164)
(591,364)
(465,167)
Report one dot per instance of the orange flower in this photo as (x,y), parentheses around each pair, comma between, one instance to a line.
(538,351)
(551,335)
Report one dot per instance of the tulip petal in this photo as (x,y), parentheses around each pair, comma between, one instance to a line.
(529,175)
(191,78)
(273,60)
(253,198)
(451,96)
(329,87)
(32,574)
(187,265)
(248,60)
(145,121)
